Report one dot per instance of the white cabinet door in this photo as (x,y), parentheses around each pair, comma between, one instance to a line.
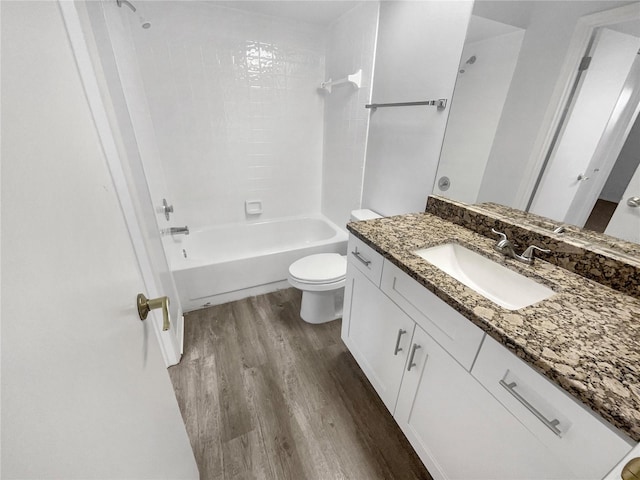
(377,333)
(458,429)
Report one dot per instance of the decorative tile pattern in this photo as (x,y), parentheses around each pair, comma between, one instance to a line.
(584,338)
(236,110)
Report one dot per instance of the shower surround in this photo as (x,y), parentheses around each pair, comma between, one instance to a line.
(234,105)
(237,115)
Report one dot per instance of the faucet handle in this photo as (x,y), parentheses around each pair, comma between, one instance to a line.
(528,253)
(502,235)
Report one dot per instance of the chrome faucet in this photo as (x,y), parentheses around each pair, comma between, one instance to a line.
(505,247)
(175,231)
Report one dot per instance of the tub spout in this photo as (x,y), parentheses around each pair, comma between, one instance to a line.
(176,231)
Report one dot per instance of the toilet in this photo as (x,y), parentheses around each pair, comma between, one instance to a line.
(321,277)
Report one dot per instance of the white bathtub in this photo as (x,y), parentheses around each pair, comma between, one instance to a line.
(231,262)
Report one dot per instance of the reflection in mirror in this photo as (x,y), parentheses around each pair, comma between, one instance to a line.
(503,145)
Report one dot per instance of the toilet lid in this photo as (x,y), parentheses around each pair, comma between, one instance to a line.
(319,268)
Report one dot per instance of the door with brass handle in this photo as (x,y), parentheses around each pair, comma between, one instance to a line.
(145,305)
(631,470)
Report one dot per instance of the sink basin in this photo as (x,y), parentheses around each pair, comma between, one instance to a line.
(493,281)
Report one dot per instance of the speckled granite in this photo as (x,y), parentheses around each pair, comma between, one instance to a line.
(585,338)
(604,259)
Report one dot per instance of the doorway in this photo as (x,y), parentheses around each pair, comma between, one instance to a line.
(586,163)
(619,180)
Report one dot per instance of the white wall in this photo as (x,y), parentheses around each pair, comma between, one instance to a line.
(417,55)
(542,54)
(592,107)
(625,166)
(234,102)
(350,46)
(84,390)
(475,112)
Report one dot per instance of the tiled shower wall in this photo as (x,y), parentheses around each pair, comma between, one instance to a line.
(236,109)
(350,46)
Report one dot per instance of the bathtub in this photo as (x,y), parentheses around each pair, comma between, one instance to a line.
(221,264)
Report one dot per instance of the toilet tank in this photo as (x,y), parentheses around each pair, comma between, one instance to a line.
(363,214)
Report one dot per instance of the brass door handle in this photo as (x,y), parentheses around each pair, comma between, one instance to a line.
(631,470)
(145,305)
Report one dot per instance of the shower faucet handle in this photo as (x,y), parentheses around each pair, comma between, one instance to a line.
(166,208)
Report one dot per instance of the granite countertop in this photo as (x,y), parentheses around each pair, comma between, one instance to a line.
(585,338)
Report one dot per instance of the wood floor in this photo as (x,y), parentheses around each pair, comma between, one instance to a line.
(265,395)
(600,215)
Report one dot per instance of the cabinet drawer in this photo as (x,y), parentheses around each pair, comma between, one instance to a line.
(587,444)
(455,333)
(365,258)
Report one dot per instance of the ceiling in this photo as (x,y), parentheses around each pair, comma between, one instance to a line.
(318,12)
(482,28)
(631,27)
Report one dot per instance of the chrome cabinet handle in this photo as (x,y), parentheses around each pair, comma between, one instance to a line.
(550,424)
(413,354)
(633,202)
(356,254)
(398,348)
(145,305)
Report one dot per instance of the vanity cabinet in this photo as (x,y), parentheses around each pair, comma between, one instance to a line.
(377,333)
(565,427)
(468,406)
(459,430)
(454,332)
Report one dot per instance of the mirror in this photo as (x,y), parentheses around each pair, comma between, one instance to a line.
(534,127)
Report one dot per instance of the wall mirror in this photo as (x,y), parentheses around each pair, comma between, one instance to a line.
(544,116)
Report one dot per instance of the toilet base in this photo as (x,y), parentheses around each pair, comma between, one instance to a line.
(321,307)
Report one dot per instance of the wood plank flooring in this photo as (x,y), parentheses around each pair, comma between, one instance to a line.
(265,395)
(600,215)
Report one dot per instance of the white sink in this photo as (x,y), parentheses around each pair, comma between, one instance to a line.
(490,279)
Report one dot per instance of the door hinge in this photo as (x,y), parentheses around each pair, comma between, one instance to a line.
(584,64)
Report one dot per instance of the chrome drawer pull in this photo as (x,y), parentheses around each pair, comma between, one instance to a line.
(362,259)
(550,424)
(398,348)
(413,354)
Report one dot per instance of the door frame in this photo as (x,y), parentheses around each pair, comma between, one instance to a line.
(562,93)
(168,341)
(609,147)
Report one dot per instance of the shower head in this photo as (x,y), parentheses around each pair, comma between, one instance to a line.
(127,3)
(143,23)
(470,61)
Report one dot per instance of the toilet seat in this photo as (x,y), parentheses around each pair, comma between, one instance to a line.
(319,272)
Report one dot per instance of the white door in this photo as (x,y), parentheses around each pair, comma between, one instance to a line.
(85,392)
(571,171)
(625,223)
